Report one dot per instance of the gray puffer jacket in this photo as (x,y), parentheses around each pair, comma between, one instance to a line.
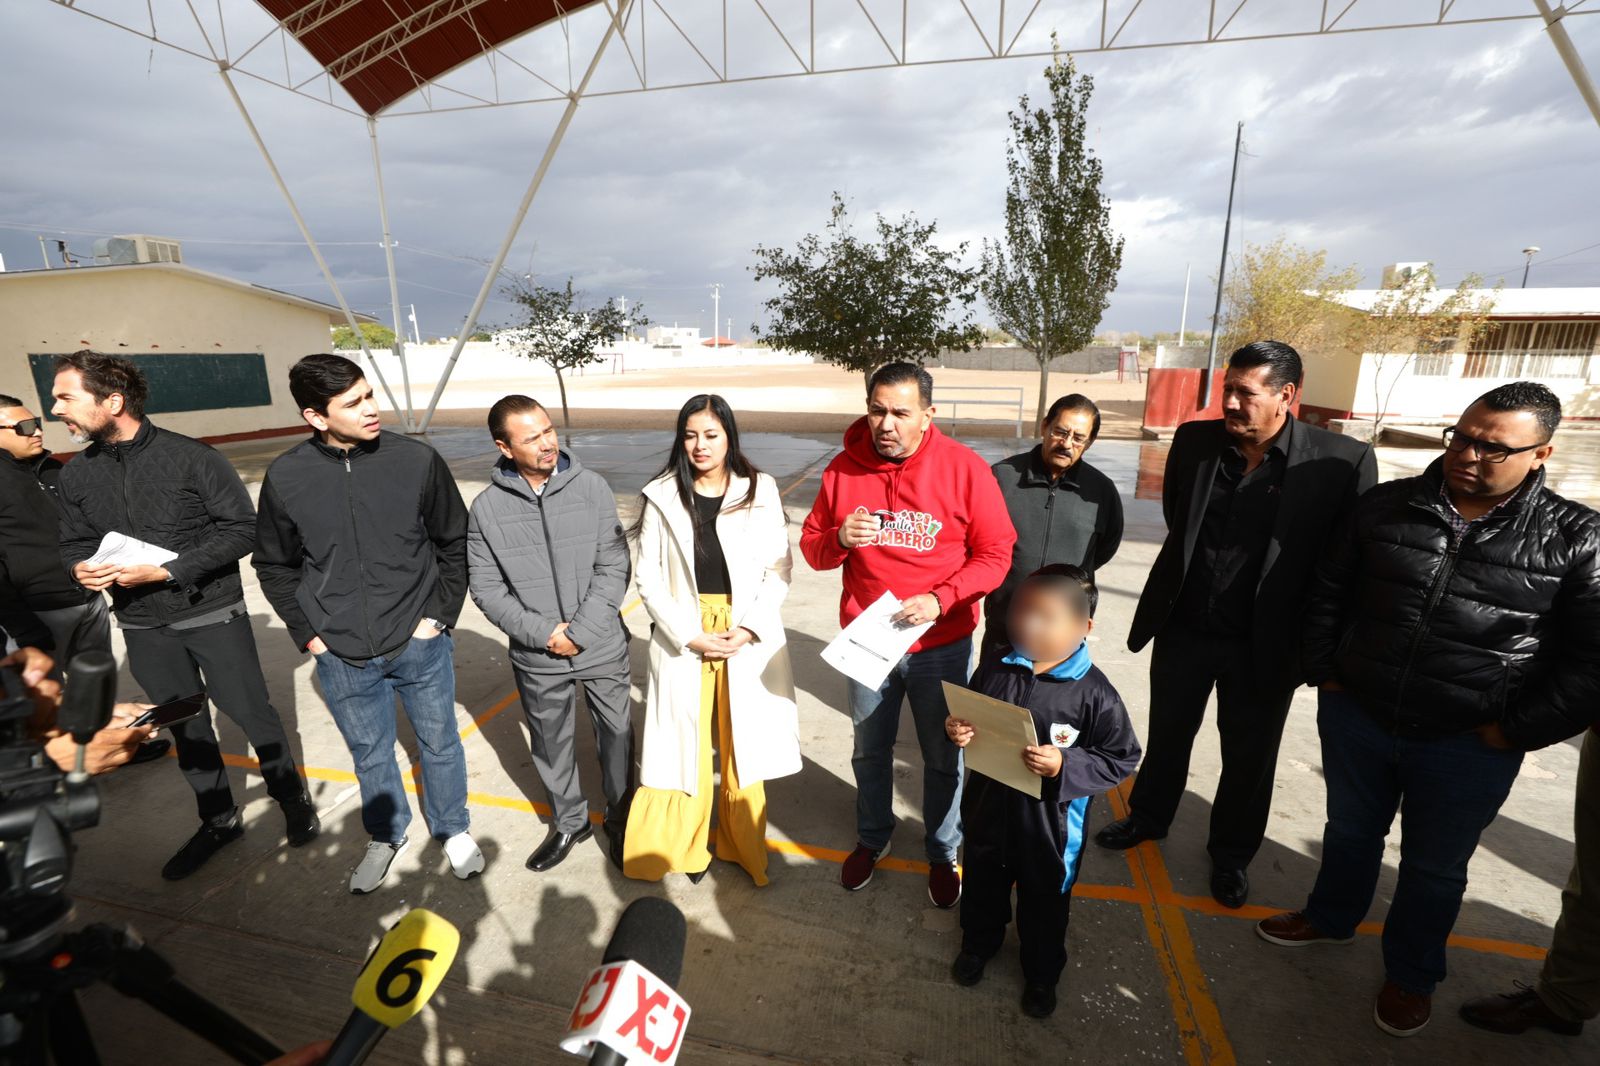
(535,561)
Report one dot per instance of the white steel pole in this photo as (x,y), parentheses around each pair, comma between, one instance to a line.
(409,414)
(416,333)
(1183,318)
(305,231)
(1569,55)
(522,211)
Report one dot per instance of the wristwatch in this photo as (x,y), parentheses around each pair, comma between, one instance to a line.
(436,624)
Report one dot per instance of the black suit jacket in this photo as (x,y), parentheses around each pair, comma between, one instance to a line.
(1326,473)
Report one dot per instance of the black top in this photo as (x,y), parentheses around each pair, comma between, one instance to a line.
(1436,634)
(710,566)
(1220,589)
(1075,518)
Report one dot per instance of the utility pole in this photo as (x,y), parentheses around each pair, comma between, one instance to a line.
(416,334)
(1222,273)
(716,309)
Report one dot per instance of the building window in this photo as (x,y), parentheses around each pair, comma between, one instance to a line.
(1431,364)
(1541,349)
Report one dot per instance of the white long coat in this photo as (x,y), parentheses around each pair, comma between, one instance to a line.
(766,724)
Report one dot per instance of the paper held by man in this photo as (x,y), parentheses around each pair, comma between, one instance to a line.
(870,646)
(123,550)
(1000,731)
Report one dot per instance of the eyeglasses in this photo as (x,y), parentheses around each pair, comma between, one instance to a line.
(1488,452)
(26,428)
(1059,436)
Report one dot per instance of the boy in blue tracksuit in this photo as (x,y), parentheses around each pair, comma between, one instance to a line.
(1086,746)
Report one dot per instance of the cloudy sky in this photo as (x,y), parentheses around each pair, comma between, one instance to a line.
(1460,145)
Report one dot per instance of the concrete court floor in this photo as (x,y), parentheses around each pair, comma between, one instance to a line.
(800,971)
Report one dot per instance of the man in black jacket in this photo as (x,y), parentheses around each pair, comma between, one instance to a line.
(1064,510)
(184,622)
(361,547)
(38,598)
(1453,625)
(1249,500)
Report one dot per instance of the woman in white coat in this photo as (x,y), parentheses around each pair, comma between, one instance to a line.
(713,571)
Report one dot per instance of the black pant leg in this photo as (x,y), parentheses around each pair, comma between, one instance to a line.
(985,903)
(161,664)
(1043,909)
(231,666)
(1250,720)
(1182,671)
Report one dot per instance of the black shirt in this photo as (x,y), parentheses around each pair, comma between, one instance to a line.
(710,567)
(1220,590)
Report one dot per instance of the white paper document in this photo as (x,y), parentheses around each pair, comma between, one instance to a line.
(1000,731)
(123,550)
(868,648)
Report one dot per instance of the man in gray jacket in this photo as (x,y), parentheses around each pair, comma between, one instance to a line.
(548,564)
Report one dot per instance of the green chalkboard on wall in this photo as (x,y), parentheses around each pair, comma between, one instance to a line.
(182,381)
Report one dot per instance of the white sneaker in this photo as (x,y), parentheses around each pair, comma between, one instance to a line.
(374,865)
(466,859)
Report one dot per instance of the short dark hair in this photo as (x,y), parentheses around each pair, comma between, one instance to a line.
(10,401)
(319,377)
(1526,396)
(505,407)
(899,374)
(109,375)
(1282,361)
(1075,401)
(1071,582)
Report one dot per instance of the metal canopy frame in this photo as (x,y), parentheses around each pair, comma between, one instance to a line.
(734,42)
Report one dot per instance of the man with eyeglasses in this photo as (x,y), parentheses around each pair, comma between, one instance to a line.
(1453,624)
(1063,508)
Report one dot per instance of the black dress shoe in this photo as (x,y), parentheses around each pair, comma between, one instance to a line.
(614,840)
(200,847)
(1039,1001)
(1229,887)
(150,751)
(555,848)
(698,876)
(967,970)
(300,822)
(1126,833)
(1514,1013)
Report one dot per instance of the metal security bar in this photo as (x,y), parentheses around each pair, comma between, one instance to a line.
(1558,348)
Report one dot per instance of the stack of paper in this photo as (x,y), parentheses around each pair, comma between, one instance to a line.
(870,646)
(123,550)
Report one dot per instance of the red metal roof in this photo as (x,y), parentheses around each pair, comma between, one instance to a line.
(383,50)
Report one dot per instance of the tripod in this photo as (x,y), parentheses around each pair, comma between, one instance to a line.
(40,975)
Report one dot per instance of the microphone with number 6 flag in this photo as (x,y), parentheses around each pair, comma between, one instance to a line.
(398,979)
(628,1013)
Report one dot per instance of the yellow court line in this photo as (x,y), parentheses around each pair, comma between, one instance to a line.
(1200,1029)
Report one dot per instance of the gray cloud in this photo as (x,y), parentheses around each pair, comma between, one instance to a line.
(1458,145)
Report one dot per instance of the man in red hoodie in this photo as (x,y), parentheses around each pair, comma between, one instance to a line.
(908,511)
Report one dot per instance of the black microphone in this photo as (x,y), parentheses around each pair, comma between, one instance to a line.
(628,1012)
(90,695)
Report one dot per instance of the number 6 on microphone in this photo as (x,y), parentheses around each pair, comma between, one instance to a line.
(400,976)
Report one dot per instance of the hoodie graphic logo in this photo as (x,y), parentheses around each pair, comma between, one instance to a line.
(917,530)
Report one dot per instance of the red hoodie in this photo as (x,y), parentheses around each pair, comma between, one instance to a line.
(951,534)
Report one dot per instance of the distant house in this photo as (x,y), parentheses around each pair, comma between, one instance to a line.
(1546,335)
(216,350)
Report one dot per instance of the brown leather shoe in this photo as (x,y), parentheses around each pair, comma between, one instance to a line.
(1401,1013)
(1293,930)
(1514,1013)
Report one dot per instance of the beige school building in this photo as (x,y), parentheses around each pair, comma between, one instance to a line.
(217,350)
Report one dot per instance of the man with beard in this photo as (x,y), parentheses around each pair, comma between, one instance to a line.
(184,622)
(1249,499)
(1063,508)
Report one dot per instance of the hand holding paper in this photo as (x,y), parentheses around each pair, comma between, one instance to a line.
(870,646)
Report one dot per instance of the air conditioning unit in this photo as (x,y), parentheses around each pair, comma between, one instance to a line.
(137,248)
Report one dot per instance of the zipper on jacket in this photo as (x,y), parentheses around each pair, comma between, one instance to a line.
(133,530)
(550,554)
(1435,593)
(355,536)
(1049,524)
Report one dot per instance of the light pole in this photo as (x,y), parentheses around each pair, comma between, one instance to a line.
(1530,251)
(716,310)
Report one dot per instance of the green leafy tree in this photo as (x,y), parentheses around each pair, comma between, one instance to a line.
(861,302)
(1281,292)
(555,327)
(1049,279)
(378,338)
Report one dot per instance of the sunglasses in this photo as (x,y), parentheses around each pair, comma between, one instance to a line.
(1457,441)
(26,428)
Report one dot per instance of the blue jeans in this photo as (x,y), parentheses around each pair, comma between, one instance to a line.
(876,714)
(361,698)
(1447,789)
